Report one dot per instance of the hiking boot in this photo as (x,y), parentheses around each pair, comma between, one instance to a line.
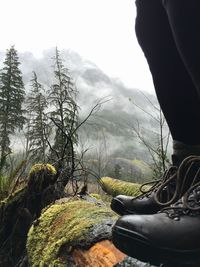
(163,193)
(171,236)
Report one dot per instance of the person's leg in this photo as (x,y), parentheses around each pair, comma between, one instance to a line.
(174,87)
(176,94)
(184,20)
(172,235)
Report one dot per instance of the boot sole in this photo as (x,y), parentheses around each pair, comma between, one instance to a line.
(137,246)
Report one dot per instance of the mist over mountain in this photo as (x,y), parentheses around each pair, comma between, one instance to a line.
(91,82)
(111,128)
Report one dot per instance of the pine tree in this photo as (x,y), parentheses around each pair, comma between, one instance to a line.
(12,95)
(38,130)
(62,97)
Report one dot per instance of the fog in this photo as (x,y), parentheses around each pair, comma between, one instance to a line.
(100,31)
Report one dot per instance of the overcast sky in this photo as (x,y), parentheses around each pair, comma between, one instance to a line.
(99,30)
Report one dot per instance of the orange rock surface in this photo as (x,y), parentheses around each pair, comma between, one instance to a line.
(102,254)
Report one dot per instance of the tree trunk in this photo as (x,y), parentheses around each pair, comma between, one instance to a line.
(20,209)
(74,232)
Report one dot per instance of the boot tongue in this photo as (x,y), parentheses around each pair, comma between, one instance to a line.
(180,182)
(189,186)
(189,204)
(167,192)
(176,160)
(189,173)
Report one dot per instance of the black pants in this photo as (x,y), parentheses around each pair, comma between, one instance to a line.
(168,32)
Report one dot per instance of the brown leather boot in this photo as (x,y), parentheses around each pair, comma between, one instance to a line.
(171,236)
(163,193)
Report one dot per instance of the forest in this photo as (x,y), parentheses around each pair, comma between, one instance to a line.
(43,118)
(57,142)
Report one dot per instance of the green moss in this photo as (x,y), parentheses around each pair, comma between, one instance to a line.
(116,187)
(39,167)
(97,196)
(35,170)
(15,196)
(40,176)
(62,225)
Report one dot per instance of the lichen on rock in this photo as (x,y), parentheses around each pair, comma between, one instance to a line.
(116,187)
(64,227)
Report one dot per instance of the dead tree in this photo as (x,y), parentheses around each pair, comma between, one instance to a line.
(159,148)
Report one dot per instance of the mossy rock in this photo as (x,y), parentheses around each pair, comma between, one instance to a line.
(41,167)
(96,196)
(41,176)
(20,208)
(116,187)
(64,227)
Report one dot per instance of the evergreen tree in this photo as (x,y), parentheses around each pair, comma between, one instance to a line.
(12,95)
(38,129)
(62,97)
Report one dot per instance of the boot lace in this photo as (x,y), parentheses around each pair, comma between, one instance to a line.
(168,177)
(181,178)
(189,204)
